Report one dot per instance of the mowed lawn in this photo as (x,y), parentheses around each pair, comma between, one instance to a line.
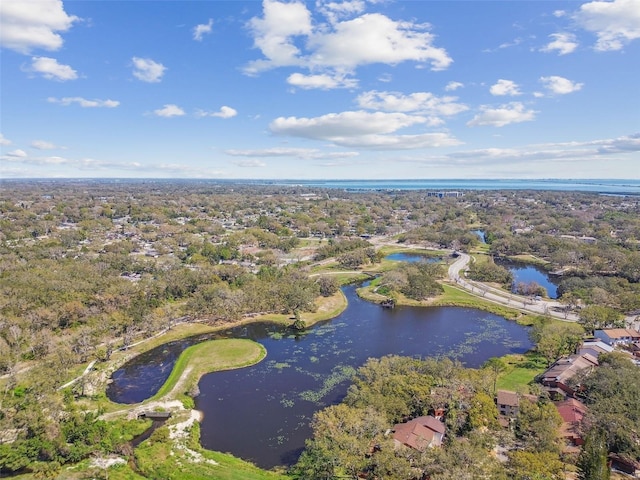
(521,371)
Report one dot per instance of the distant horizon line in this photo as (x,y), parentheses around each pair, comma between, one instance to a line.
(355,179)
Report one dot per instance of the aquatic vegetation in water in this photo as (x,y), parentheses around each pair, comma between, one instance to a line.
(338,375)
(287,402)
(279,365)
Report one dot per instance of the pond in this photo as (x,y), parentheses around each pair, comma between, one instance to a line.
(412,257)
(526,273)
(481,235)
(262,413)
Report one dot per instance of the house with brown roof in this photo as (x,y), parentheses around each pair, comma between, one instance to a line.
(617,336)
(508,402)
(595,348)
(558,378)
(420,433)
(572,412)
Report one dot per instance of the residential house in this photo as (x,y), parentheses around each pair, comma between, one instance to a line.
(420,433)
(594,348)
(559,377)
(508,402)
(572,412)
(624,464)
(618,336)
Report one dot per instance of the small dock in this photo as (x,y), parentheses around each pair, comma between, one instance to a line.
(388,303)
(155,415)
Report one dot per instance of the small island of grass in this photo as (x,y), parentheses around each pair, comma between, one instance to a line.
(207,357)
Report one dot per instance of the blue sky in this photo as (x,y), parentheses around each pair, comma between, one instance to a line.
(320,89)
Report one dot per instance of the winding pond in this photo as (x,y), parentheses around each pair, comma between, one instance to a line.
(262,413)
(526,273)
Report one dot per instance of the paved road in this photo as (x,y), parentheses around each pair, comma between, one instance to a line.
(497,295)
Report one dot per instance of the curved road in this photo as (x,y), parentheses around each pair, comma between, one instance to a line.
(496,295)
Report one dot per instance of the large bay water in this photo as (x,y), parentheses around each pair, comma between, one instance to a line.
(262,413)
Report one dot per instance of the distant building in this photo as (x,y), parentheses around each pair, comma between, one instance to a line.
(445,194)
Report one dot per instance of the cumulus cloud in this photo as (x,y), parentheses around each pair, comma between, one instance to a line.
(17,153)
(44,145)
(224,112)
(423,103)
(200,30)
(560,85)
(147,70)
(274,34)
(27,25)
(514,112)
(335,11)
(615,23)
(321,81)
(52,70)
(83,102)
(375,38)
(286,36)
(4,141)
(452,86)
(362,129)
(169,110)
(563,43)
(505,87)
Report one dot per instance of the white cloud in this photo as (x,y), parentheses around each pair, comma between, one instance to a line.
(582,152)
(83,102)
(286,37)
(563,43)
(505,87)
(451,86)
(334,11)
(147,70)
(560,85)
(274,32)
(362,129)
(615,23)
(302,153)
(224,112)
(44,145)
(52,70)
(169,110)
(252,163)
(4,141)
(200,30)
(513,112)
(17,153)
(321,81)
(27,25)
(375,38)
(420,102)
(559,13)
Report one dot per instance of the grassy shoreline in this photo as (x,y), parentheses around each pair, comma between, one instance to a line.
(207,357)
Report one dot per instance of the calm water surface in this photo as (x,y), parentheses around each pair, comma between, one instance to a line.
(412,258)
(262,413)
(523,272)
